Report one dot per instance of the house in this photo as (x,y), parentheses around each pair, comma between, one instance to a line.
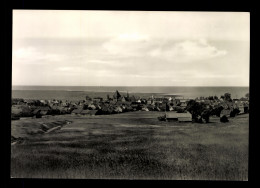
(16,110)
(44,102)
(240,106)
(77,111)
(163,106)
(90,112)
(246,108)
(116,96)
(150,107)
(128,108)
(85,112)
(36,111)
(132,99)
(149,101)
(29,102)
(244,99)
(144,108)
(118,103)
(64,110)
(92,107)
(21,102)
(45,110)
(181,117)
(198,100)
(118,109)
(171,108)
(170,98)
(127,103)
(97,99)
(123,99)
(183,100)
(94,112)
(241,110)
(157,109)
(55,110)
(179,97)
(17,101)
(104,107)
(158,100)
(175,102)
(183,105)
(207,102)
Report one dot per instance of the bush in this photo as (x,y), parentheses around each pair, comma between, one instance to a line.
(205,115)
(216,111)
(234,112)
(179,110)
(224,119)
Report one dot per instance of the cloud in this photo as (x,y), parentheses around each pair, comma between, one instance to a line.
(127,45)
(31,55)
(187,51)
(23,53)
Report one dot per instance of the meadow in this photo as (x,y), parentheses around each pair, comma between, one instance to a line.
(132,145)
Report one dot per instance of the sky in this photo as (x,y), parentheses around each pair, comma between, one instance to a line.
(130,48)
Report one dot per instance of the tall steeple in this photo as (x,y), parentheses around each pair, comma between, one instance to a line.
(116,95)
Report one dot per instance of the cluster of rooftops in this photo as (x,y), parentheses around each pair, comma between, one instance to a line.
(117,104)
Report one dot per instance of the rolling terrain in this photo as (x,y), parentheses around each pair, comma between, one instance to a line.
(132,145)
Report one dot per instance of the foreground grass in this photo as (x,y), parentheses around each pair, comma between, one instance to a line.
(135,148)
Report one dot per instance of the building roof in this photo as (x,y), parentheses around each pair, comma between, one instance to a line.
(93,112)
(178,115)
(84,112)
(184,118)
(183,104)
(43,112)
(36,111)
(116,95)
(16,110)
(77,111)
(44,108)
(29,100)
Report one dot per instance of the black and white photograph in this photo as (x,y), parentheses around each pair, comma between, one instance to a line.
(130,95)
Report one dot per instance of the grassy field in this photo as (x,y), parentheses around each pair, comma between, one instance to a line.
(132,145)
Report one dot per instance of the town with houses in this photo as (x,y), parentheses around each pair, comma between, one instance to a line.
(175,107)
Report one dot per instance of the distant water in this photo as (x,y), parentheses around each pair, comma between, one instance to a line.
(79,92)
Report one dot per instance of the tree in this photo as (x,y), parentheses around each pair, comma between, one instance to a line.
(211,98)
(216,111)
(179,109)
(88,98)
(196,109)
(227,97)
(224,119)
(234,112)
(205,115)
(247,95)
(215,97)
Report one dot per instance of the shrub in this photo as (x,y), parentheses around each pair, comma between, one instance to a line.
(179,110)
(205,115)
(224,119)
(234,112)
